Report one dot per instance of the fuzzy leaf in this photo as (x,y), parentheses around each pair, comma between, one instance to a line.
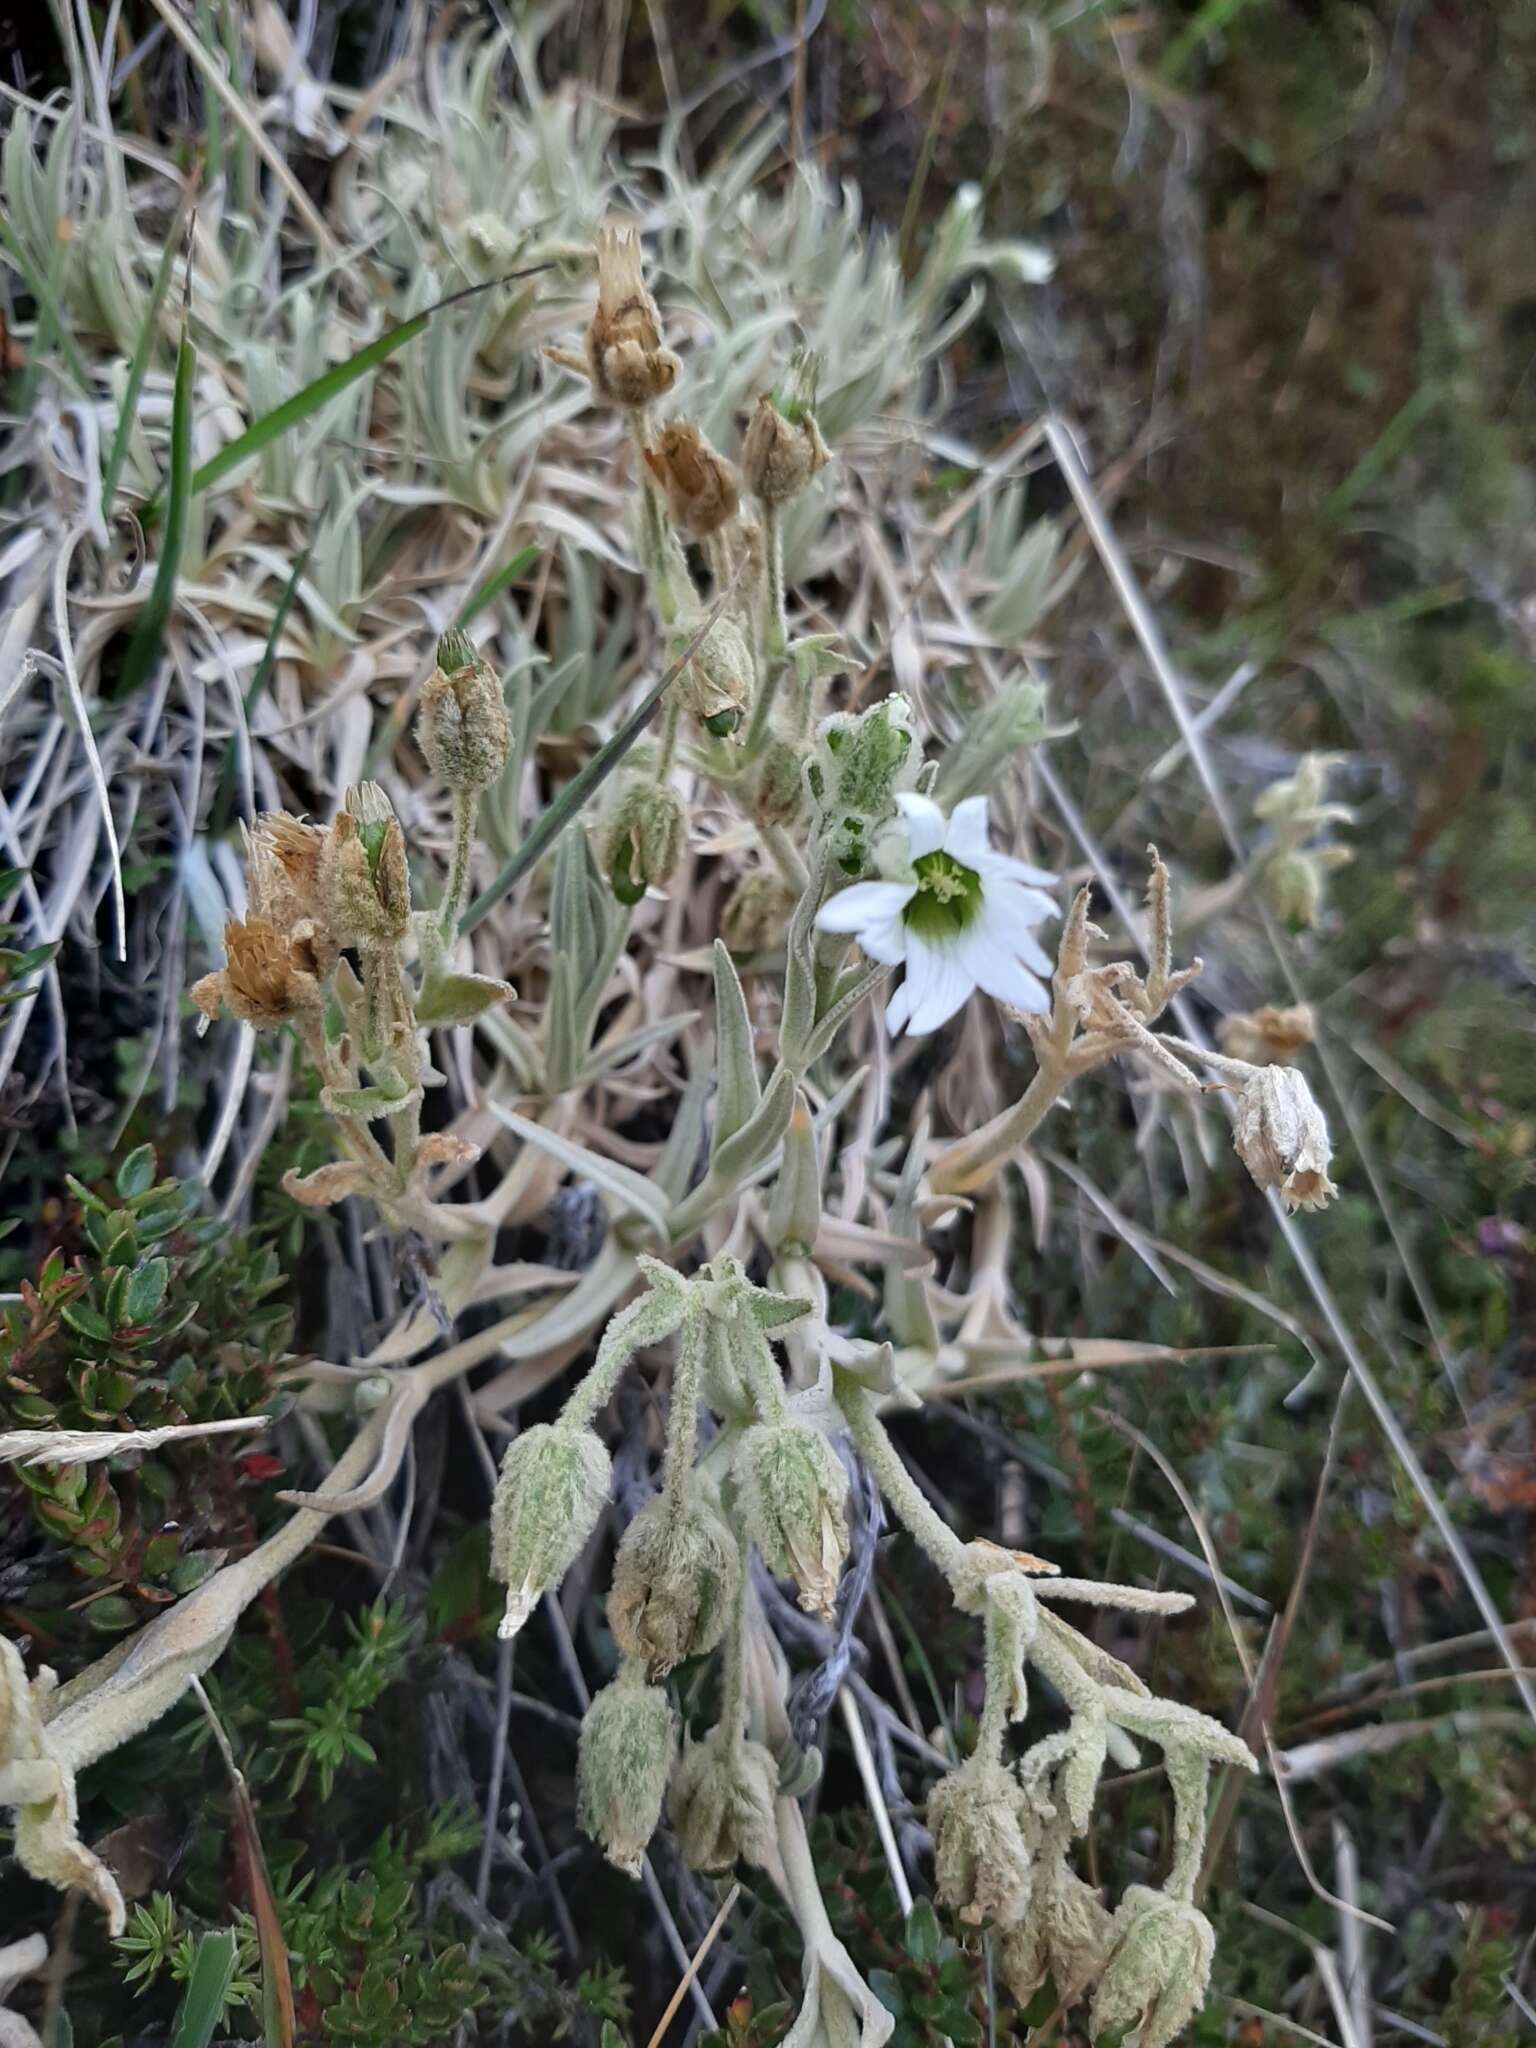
(740,1091)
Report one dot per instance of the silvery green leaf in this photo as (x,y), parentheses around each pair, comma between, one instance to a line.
(799,1013)
(818,655)
(368,1103)
(627,1187)
(759,1135)
(679,1156)
(794,1214)
(605,1058)
(739,1091)
(858,984)
(452,999)
(562,1041)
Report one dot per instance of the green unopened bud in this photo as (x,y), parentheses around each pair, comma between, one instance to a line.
(721,1802)
(623,1760)
(859,765)
(673,1582)
(644,837)
(1158,1969)
(757,913)
(778,788)
(364,873)
(716,685)
(782,448)
(793,1487)
(554,1481)
(462,726)
(985,1834)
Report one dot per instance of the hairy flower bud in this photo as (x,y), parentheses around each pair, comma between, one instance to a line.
(267,979)
(673,1581)
(781,450)
(1158,1969)
(623,1760)
(625,359)
(1269,1034)
(860,764)
(553,1483)
(778,788)
(793,1487)
(462,726)
(721,1801)
(717,683)
(644,837)
(757,912)
(1281,1136)
(367,881)
(984,1838)
(701,486)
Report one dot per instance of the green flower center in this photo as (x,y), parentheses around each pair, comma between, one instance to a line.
(948,897)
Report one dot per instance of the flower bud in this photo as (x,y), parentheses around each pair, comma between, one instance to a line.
(462,726)
(781,450)
(644,837)
(984,1838)
(625,359)
(367,881)
(1267,1035)
(623,1760)
(673,1582)
(793,1487)
(554,1481)
(1158,1969)
(1281,1136)
(859,765)
(701,487)
(756,913)
(267,979)
(717,683)
(721,1802)
(1065,1935)
(778,788)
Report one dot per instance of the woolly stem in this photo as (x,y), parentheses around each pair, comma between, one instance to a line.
(456,889)
(775,628)
(631,1327)
(683,1416)
(929,1528)
(733,1694)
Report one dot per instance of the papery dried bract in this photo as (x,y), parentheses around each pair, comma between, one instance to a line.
(1269,1035)
(793,1487)
(266,981)
(626,361)
(701,487)
(721,1801)
(1281,1136)
(673,1580)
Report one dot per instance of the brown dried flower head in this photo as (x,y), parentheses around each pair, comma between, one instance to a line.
(1281,1136)
(267,979)
(701,486)
(1269,1035)
(782,448)
(625,358)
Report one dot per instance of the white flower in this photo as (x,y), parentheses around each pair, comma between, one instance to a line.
(958,919)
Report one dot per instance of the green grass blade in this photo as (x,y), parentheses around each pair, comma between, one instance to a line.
(137,368)
(150,630)
(220,813)
(213,1971)
(495,585)
(1214,16)
(329,384)
(585,783)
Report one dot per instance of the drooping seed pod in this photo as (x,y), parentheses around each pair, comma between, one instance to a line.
(716,685)
(644,837)
(1281,1136)
(721,1802)
(462,726)
(623,1760)
(1158,1969)
(626,361)
(673,1581)
(1065,1935)
(553,1482)
(793,1488)
(701,487)
(985,1834)
(777,794)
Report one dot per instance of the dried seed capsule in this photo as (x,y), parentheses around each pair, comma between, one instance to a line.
(701,487)
(644,837)
(721,1802)
(778,789)
(1064,1936)
(793,1487)
(553,1483)
(462,726)
(717,683)
(984,1839)
(625,359)
(1158,1969)
(366,879)
(623,1760)
(673,1582)
(781,450)
(1281,1136)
